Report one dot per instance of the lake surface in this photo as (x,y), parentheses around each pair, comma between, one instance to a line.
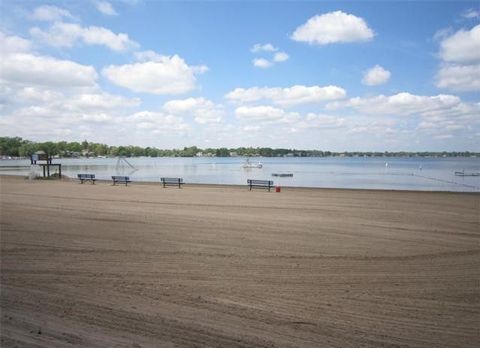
(430,174)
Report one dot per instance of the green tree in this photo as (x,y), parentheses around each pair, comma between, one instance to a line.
(190,151)
(49,147)
(122,151)
(222,152)
(74,147)
(113,151)
(9,146)
(101,149)
(26,149)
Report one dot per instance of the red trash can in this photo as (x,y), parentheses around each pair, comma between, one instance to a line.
(277,188)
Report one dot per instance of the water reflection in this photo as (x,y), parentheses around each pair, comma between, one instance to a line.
(374,173)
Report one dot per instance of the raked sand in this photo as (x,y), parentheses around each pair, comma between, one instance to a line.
(218,266)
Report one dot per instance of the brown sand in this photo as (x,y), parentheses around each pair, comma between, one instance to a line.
(142,266)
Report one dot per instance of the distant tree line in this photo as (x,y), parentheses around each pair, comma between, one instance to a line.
(18,147)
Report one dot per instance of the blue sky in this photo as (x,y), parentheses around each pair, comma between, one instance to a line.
(360,75)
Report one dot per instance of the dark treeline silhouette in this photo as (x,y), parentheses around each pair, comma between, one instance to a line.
(18,147)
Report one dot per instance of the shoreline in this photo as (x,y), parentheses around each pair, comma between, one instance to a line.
(440,155)
(66,178)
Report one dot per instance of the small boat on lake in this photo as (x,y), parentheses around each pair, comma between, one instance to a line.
(249,164)
(462,173)
(283,175)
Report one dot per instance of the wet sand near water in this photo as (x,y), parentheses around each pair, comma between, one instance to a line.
(219,266)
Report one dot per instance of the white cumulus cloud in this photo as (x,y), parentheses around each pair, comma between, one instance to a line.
(268,47)
(106,8)
(272,53)
(289,96)
(13,44)
(21,67)
(333,27)
(376,76)
(46,71)
(59,97)
(62,34)
(265,114)
(65,113)
(460,55)
(261,63)
(163,75)
(399,104)
(433,113)
(37,95)
(459,77)
(280,57)
(99,101)
(461,47)
(158,122)
(203,110)
(50,13)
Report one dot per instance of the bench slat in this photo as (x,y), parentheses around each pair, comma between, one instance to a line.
(260,183)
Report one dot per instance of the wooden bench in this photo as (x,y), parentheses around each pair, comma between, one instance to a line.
(172,181)
(86,177)
(260,183)
(120,179)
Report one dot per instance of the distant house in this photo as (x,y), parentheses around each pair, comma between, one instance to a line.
(86,153)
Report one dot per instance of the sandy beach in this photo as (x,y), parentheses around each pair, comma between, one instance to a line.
(219,266)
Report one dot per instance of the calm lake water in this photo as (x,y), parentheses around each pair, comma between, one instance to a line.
(372,173)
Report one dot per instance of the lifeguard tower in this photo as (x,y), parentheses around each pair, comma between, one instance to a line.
(47,163)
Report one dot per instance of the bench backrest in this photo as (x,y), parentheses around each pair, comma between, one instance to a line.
(175,180)
(86,176)
(260,182)
(120,178)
